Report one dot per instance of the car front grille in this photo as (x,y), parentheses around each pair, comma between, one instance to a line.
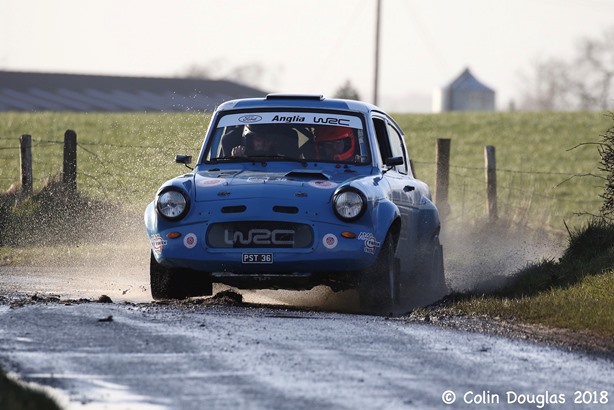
(259,234)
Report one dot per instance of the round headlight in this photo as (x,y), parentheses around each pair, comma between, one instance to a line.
(172,204)
(349,204)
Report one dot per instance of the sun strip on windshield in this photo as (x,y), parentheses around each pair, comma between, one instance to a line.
(308,118)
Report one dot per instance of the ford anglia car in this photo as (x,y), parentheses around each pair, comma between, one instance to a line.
(295,191)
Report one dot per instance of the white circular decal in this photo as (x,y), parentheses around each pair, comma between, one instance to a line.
(211,182)
(322,184)
(330,241)
(257,179)
(190,241)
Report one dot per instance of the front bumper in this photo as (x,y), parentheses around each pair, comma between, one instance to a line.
(333,248)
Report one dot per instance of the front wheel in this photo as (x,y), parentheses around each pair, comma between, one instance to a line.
(175,283)
(379,288)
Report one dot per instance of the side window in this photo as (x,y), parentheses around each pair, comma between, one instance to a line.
(381,134)
(397,148)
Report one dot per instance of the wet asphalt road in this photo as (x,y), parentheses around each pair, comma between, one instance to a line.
(191,356)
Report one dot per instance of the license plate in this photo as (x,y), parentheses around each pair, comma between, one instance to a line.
(257,258)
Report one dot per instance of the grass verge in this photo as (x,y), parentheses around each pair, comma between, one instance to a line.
(15,396)
(570,298)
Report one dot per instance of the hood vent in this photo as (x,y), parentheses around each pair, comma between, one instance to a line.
(285,209)
(234,209)
(307,174)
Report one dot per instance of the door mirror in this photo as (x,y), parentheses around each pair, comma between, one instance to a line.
(394,161)
(183,159)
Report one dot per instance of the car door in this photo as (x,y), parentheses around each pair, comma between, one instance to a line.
(400,181)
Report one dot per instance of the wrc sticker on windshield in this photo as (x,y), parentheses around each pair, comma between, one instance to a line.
(308,118)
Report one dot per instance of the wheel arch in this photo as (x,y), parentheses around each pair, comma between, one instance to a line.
(395,229)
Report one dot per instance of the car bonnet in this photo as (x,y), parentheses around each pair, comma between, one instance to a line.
(241,184)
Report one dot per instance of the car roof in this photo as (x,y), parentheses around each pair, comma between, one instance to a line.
(298,101)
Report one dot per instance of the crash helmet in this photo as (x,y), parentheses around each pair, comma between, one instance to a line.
(252,130)
(327,134)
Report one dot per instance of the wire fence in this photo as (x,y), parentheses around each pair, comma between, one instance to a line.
(131,173)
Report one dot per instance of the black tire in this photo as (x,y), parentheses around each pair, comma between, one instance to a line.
(173,283)
(379,288)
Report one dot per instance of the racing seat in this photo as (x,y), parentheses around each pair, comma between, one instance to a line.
(231,139)
(286,142)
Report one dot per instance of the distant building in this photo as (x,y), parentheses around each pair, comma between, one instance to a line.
(22,91)
(465,93)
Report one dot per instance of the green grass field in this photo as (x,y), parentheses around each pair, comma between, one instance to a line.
(536,163)
(121,157)
(17,396)
(125,157)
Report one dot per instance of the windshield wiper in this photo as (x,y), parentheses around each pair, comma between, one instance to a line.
(258,158)
(217,159)
(264,158)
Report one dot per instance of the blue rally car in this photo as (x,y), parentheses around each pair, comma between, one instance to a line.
(295,191)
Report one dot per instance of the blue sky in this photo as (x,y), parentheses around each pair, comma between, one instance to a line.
(303,46)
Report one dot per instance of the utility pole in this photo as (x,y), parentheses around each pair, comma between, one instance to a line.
(376,70)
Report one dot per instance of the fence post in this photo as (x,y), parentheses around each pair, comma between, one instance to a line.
(69,176)
(442,158)
(25,147)
(491,182)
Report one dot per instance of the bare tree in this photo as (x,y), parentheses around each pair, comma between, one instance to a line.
(549,87)
(586,82)
(248,74)
(606,151)
(594,71)
(197,71)
(347,91)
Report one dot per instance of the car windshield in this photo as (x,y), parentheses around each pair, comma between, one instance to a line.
(290,136)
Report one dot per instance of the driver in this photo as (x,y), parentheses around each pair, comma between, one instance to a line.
(334,143)
(256,142)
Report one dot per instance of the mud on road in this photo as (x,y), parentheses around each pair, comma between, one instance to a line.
(258,350)
(223,353)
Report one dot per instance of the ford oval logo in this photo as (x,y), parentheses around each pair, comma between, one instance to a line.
(250,118)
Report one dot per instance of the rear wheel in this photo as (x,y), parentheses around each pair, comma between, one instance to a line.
(175,283)
(379,288)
